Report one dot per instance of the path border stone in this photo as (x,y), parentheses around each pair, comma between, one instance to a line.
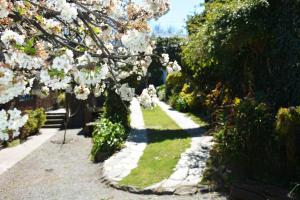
(188,171)
(120,164)
(11,156)
(190,168)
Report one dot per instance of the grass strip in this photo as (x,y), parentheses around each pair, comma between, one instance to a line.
(166,143)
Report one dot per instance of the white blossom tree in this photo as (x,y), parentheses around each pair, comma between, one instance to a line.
(74,45)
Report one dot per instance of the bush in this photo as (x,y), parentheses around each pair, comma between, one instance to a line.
(107,138)
(174,84)
(116,110)
(247,139)
(36,120)
(161,92)
(181,104)
(287,127)
(61,98)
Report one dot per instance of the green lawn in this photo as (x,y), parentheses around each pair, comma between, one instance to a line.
(166,143)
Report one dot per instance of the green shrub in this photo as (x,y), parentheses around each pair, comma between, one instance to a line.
(36,120)
(172,100)
(174,84)
(61,98)
(247,138)
(116,110)
(181,104)
(107,138)
(288,127)
(161,92)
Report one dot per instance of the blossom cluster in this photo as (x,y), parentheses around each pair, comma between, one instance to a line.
(11,122)
(148,98)
(82,46)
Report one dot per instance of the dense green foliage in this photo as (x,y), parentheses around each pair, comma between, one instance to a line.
(247,138)
(107,138)
(241,67)
(36,120)
(116,110)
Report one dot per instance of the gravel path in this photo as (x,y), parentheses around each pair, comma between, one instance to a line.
(55,173)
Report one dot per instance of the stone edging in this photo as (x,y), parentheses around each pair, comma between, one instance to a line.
(120,164)
(187,173)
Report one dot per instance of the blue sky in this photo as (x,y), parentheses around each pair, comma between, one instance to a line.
(176,17)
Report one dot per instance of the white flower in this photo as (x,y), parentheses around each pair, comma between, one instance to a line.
(3,119)
(173,67)
(56,83)
(145,99)
(159,7)
(62,62)
(52,25)
(136,41)
(3,10)
(23,61)
(85,59)
(16,121)
(152,91)
(126,93)
(165,59)
(122,51)
(45,90)
(99,89)
(81,92)
(176,66)
(91,77)
(109,47)
(170,69)
(10,91)
(11,120)
(6,76)
(9,36)
(148,98)
(69,12)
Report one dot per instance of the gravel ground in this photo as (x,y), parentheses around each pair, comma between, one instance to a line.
(53,172)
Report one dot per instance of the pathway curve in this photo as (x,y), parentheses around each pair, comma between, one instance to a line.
(120,165)
(189,170)
(53,172)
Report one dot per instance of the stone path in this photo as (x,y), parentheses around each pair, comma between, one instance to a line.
(120,165)
(188,172)
(55,172)
(11,156)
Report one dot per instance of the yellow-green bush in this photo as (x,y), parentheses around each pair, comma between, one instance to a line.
(174,83)
(288,129)
(61,98)
(36,120)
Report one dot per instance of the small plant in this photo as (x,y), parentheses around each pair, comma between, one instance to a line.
(36,120)
(108,137)
(61,98)
(161,92)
